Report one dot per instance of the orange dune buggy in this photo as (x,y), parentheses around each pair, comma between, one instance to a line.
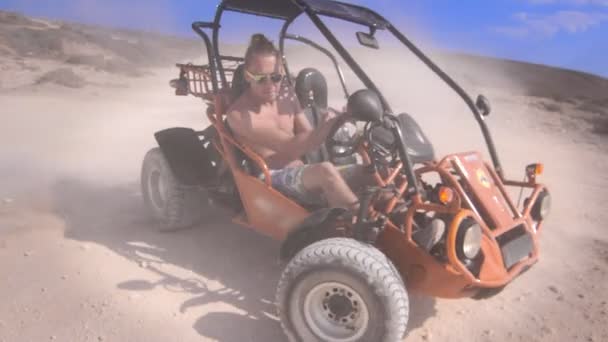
(449,230)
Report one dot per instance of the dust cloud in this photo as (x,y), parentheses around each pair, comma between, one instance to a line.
(81,260)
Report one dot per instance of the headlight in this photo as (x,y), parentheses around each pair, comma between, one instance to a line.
(468,242)
(346,133)
(542,206)
(339,149)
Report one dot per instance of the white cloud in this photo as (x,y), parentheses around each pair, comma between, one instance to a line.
(513,32)
(549,25)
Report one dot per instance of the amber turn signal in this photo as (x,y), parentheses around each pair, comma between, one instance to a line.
(535,169)
(446,195)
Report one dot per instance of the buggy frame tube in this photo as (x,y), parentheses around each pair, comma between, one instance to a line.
(231,58)
(461,92)
(216,40)
(282,47)
(327,53)
(211,53)
(362,75)
(412,186)
(347,57)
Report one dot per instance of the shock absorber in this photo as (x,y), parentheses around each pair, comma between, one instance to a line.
(365,229)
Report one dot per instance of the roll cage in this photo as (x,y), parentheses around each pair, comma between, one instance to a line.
(289,10)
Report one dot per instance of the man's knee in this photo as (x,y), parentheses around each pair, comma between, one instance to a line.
(321,175)
(328,171)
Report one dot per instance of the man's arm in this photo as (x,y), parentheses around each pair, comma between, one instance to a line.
(301,123)
(287,147)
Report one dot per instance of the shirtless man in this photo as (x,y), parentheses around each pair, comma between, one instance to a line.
(278,130)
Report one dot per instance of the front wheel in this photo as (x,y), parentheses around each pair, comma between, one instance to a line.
(342,290)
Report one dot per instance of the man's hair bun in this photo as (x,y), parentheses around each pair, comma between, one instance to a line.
(259,39)
(259,44)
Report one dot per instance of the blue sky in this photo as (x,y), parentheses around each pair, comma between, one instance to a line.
(566,33)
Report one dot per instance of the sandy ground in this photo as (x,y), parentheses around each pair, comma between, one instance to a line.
(81,261)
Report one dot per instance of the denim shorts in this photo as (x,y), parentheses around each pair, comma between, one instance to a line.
(289,182)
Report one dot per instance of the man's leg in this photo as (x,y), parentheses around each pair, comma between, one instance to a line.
(326,178)
(358,177)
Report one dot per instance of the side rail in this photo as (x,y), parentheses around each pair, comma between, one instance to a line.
(204,80)
(197,80)
(194,80)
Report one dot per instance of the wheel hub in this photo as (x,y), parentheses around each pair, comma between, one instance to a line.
(336,312)
(340,306)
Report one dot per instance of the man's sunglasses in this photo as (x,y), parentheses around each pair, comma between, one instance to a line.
(274,77)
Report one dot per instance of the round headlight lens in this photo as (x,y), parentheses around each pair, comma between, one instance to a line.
(542,207)
(471,240)
(545,206)
(339,149)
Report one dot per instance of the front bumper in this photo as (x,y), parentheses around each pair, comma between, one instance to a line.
(504,255)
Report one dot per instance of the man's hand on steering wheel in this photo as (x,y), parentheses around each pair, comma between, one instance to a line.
(329,115)
(342,148)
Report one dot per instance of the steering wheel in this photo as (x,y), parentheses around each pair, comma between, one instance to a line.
(343,138)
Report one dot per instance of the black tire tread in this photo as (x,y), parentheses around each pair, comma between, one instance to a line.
(365,260)
(184,204)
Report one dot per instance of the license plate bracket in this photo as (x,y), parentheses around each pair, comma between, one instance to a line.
(515,246)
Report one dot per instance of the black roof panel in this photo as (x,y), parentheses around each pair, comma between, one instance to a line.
(282,9)
(289,9)
(348,12)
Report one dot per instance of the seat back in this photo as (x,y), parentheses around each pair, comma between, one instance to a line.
(311,90)
(419,147)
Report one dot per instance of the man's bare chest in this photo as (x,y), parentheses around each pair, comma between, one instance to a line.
(283,122)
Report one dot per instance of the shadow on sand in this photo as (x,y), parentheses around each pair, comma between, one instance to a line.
(243,262)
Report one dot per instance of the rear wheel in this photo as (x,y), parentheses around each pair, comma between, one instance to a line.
(169,202)
(342,290)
